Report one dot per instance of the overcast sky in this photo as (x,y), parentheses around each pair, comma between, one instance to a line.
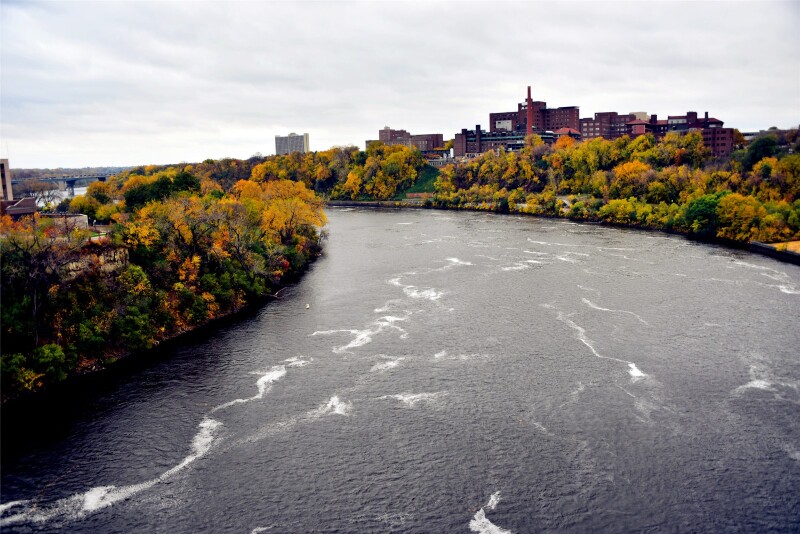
(128,83)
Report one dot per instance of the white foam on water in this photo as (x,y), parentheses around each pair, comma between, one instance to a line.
(481,524)
(404,223)
(12,504)
(412,399)
(428,293)
(567,259)
(335,406)
(789,290)
(516,267)
(263,385)
(460,357)
(541,427)
(547,254)
(758,267)
(757,384)
(551,244)
(296,361)
(388,306)
(792,451)
(634,371)
(80,505)
(787,286)
(494,500)
(395,519)
(587,288)
(759,379)
(456,261)
(596,307)
(385,366)
(201,444)
(362,337)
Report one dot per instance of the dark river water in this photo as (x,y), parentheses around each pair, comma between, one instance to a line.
(453,372)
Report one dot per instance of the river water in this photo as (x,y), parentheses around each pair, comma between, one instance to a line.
(453,372)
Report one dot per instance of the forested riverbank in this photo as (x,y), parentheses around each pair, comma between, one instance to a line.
(188,244)
(182,252)
(192,243)
(672,184)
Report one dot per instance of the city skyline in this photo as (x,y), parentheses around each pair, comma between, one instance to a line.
(89,84)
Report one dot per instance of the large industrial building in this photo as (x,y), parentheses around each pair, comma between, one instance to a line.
(291,143)
(508,129)
(534,117)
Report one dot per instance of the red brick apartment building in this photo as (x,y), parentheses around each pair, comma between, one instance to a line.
(612,125)
(423,142)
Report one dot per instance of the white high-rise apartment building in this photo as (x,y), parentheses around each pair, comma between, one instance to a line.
(291,143)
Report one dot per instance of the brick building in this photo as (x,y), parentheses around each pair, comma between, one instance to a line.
(422,142)
(393,137)
(477,141)
(541,117)
(612,125)
(508,129)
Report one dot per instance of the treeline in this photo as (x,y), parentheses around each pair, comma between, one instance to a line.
(182,251)
(34,174)
(672,184)
(379,173)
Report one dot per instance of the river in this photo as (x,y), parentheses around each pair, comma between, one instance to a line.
(452,372)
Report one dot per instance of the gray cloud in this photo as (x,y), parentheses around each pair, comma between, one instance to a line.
(88,83)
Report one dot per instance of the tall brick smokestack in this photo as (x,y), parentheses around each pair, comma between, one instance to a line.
(529,126)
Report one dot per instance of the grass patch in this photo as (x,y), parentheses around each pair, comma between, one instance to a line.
(424,183)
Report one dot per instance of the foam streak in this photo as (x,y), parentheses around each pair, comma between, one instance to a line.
(80,505)
(634,371)
(481,524)
(596,307)
(263,385)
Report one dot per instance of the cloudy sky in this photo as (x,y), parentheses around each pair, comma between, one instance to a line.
(128,83)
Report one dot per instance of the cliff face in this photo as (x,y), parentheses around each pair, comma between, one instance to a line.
(103,257)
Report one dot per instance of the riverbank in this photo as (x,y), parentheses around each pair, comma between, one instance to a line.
(784,254)
(120,363)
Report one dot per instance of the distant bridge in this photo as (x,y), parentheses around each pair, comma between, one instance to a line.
(66,182)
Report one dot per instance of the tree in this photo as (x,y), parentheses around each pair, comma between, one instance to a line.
(760,148)
(700,215)
(35,256)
